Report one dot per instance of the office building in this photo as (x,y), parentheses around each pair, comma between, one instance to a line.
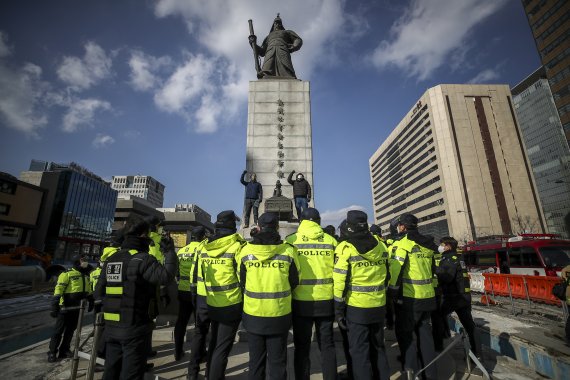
(20,206)
(547,148)
(141,186)
(457,161)
(78,211)
(549,22)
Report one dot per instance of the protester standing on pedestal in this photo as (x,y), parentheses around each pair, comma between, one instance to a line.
(301,192)
(253,197)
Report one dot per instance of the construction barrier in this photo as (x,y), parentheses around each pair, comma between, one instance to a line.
(532,288)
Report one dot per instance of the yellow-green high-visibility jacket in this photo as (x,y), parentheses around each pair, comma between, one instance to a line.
(315,249)
(93,277)
(436,260)
(360,281)
(412,263)
(108,252)
(186,257)
(154,249)
(218,268)
(268,273)
(72,286)
(197,281)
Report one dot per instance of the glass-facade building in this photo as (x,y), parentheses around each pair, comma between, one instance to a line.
(80,216)
(546,147)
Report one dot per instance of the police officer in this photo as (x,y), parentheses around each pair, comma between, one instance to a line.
(411,266)
(456,290)
(185,260)
(392,245)
(313,298)
(72,286)
(376,231)
(440,329)
(223,293)
(269,272)
(360,275)
(114,247)
(129,281)
(202,323)
(343,333)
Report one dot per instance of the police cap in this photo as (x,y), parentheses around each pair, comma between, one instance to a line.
(356,220)
(268,220)
(226,219)
(311,214)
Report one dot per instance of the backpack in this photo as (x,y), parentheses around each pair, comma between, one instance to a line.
(559,290)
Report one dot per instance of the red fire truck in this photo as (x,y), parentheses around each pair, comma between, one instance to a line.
(530,254)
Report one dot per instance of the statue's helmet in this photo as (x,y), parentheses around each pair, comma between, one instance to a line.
(277,20)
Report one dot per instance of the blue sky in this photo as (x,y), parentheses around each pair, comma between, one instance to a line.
(160,87)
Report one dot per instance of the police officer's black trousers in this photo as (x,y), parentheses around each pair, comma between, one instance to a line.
(198,344)
(65,325)
(302,334)
(221,342)
(346,349)
(369,360)
(408,323)
(466,319)
(267,351)
(184,313)
(125,359)
(390,314)
(440,329)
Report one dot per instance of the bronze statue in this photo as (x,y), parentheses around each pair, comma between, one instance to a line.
(277,191)
(276,48)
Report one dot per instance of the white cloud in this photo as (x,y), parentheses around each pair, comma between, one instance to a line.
(322,25)
(485,76)
(334,217)
(5,50)
(82,112)
(429,33)
(102,141)
(21,93)
(144,70)
(82,73)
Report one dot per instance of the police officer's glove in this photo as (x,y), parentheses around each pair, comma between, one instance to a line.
(90,304)
(340,312)
(166,244)
(54,311)
(393,295)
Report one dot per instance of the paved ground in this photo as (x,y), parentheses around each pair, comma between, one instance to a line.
(31,364)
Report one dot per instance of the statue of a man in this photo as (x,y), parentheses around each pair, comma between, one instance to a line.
(277,48)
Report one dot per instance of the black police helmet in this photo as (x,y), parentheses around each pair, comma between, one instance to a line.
(356,221)
(198,233)
(376,230)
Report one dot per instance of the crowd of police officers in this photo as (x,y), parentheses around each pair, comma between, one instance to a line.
(310,280)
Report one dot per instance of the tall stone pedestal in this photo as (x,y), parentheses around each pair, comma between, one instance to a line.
(279,133)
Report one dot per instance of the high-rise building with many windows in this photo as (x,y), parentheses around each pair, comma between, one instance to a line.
(549,22)
(78,211)
(547,148)
(457,161)
(141,186)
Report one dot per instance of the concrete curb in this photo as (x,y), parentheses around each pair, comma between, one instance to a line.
(544,360)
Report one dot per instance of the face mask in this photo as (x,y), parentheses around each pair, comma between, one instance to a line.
(441,249)
(84,264)
(159,230)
